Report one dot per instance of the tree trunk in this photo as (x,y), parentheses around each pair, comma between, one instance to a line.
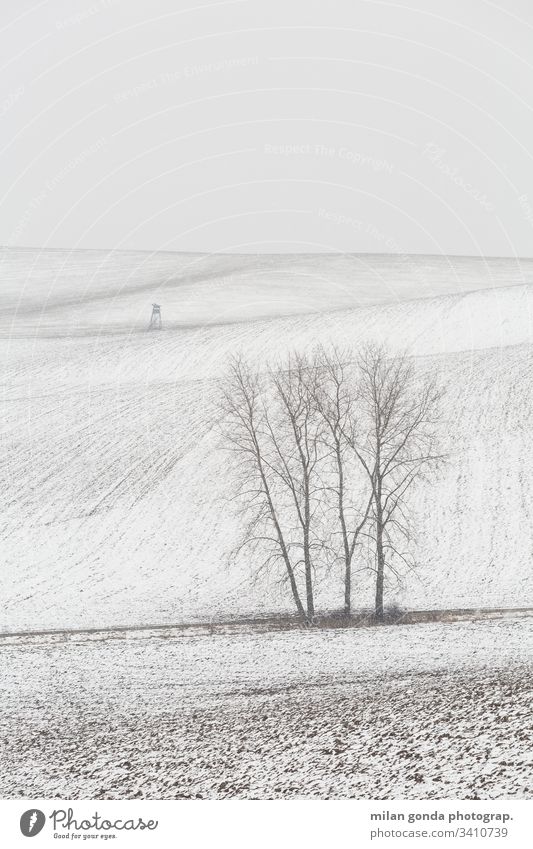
(380,557)
(308,578)
(287,561)
(281,539)
(348,589)
(295,593)
(346,545)
(380,566)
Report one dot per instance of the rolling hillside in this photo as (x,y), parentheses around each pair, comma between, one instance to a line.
(112,508)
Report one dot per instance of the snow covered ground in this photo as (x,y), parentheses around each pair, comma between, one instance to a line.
(419,711)
(112,504)
(61,293)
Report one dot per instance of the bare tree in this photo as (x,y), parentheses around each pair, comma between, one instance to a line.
(396,443)
(270,425)
(296,436)
(327,450)
(335,397)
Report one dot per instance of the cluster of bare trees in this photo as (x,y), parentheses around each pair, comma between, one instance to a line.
(327,448)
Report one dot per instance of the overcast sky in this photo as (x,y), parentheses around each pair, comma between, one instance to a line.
(254,126)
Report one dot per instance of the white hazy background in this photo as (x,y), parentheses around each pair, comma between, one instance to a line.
(268,127)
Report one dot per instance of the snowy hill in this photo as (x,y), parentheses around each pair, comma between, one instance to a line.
(112,508)
(52,292)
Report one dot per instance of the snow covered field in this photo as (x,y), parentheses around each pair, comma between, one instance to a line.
(420,711)
(112,503)
(61,293)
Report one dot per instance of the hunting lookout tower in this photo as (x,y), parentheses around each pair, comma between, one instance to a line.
(155,321)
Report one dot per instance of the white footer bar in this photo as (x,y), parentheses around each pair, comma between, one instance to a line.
(240,824)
